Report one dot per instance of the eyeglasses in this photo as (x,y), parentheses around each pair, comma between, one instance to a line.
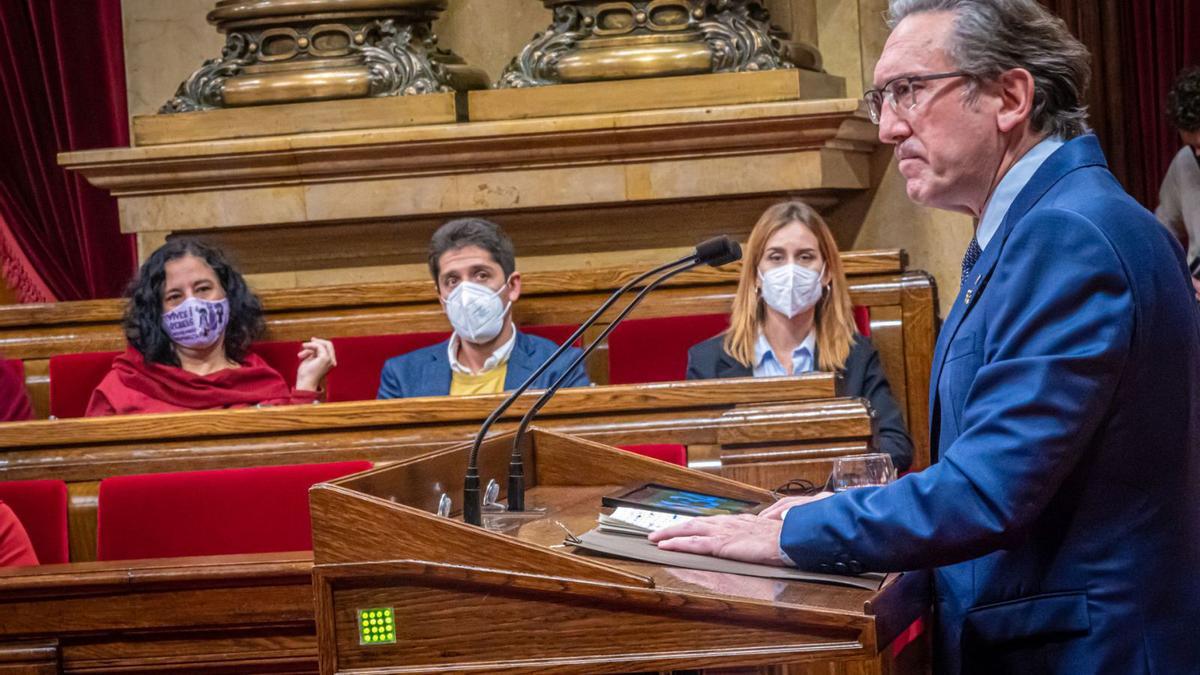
(900,92)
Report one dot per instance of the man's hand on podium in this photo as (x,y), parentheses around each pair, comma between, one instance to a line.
(747,538)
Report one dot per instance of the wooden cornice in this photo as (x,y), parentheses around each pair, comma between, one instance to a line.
(559,142)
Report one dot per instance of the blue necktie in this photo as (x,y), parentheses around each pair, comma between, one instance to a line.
(970,258)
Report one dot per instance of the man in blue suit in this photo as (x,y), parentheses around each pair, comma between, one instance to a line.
(474,270)
(1063,513)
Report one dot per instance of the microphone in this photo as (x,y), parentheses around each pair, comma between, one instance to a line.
(714,252)
(472,511)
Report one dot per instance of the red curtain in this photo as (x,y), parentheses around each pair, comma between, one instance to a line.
(62,75)
(1162,37)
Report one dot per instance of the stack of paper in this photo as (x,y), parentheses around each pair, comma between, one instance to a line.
(639,522)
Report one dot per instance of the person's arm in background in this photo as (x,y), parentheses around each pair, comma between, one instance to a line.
(1170,212)
(893,437)
(15,547)
(578,377)
(391,384)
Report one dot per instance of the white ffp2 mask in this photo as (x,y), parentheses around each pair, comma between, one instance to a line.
(476,311)
(791,289)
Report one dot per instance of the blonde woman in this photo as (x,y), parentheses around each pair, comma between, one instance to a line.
(792,315)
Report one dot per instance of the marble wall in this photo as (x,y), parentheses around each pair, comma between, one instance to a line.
(166,40)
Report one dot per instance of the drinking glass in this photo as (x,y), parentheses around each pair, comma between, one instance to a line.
(857,471)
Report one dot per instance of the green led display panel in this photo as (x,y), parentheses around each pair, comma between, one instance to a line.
(376,626)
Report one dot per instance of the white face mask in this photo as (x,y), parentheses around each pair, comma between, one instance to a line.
(791,289)
(476,311)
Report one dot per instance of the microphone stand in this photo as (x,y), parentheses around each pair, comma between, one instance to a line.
(472,510)
(516,468)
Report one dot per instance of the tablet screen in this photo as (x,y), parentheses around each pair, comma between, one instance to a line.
(663,498)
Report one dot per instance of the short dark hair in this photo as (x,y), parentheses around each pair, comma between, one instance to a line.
(143,313)
(465,232)
(1183,101)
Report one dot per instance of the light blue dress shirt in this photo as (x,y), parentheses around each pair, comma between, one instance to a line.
(1010,186)
(766,365)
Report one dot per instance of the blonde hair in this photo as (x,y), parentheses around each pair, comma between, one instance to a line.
(834,317)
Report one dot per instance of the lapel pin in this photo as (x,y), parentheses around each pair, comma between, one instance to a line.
(967,299)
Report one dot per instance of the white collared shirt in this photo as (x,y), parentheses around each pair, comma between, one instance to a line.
(1011,185)
(497,359)
(766,365)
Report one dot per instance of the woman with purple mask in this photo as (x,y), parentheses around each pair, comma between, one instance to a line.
(190,322)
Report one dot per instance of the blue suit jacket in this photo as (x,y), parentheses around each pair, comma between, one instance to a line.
(1065,408)
(426,371)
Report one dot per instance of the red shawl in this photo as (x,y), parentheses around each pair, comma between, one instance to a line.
(134,386)
(15,548)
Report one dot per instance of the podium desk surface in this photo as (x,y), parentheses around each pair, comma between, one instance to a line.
(576,508)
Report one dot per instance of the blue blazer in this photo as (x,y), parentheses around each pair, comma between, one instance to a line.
(1064,511)
(426,371)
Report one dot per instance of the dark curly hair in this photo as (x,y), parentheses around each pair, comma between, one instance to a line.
(1183,101)
(143,313)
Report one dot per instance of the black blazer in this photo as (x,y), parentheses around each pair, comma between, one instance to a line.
(863,377)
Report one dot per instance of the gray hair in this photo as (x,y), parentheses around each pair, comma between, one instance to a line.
(993,36)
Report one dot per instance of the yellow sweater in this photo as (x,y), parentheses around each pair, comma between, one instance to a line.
(491,382)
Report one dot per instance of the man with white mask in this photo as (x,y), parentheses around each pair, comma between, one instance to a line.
(474,271)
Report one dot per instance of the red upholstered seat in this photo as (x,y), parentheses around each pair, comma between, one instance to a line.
(360,359)
(73,378)
(667,452)
(862,319)
(281,356)
(41,506)
(225,511)
(555,333)
(655,350)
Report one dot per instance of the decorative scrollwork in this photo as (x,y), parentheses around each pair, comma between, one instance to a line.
(203,90)
(400,62)
(537,64)
(738,33)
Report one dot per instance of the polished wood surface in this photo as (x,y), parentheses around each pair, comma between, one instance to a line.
(218,614)
(461,594)
(793,425)
(255,613)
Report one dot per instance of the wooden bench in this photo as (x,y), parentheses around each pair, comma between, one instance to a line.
(763,431)
(902,304)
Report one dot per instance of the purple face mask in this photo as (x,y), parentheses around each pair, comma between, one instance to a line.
(197,323)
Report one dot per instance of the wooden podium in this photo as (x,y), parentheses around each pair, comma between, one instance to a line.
(399,589)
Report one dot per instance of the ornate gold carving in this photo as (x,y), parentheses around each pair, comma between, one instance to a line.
(592,40)
(305,50)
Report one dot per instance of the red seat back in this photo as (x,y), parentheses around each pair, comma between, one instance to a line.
(666,452)
(554,333)
(18,406)
(281,356)
(655,350)
(41,506)
(218,512)
(862,319)
(360,359)
(73,378)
